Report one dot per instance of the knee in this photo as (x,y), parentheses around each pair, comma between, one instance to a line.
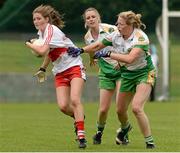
(136,110)
(63,108)
(75,102)
(120,111)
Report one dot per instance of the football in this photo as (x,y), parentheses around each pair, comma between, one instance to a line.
(38,42)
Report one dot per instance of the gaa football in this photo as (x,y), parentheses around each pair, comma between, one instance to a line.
(38,42)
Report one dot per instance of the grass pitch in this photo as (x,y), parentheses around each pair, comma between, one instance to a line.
(41,127)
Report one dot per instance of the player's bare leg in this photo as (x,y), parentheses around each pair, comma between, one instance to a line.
(142,94)
(123,102)
(75,94)
(63,100)
(105,103)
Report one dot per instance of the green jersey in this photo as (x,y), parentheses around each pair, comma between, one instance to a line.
(138,39)
(106,65)
(108,75)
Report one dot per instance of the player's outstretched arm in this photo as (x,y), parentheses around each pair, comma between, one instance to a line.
(74,52)
(94,47)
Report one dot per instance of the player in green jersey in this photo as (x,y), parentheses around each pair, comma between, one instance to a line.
(109,73)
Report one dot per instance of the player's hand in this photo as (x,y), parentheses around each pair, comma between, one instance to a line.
(74,52)
(102,54)
(41,75)
(29,41)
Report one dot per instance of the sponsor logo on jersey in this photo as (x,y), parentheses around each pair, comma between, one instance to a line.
(141,38)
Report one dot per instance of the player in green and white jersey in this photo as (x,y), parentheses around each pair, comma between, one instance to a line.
(138,73)
(109,73)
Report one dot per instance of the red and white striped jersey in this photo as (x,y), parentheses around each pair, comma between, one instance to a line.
(58,44)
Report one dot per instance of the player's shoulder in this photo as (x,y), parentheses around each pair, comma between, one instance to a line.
(106,25)
(141,36)
(55,28)
(108,28)
(87,35)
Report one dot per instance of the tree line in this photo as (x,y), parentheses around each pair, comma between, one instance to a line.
(16,15)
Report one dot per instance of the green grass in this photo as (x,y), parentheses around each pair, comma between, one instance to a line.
(41,127)
(16,57)
(29,127)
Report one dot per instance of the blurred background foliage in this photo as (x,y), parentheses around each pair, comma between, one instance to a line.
(16,15)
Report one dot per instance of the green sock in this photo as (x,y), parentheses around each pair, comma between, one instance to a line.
(100,127)
(125,126)
(149,139)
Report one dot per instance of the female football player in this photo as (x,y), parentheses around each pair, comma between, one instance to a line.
(109,73)
(68,71)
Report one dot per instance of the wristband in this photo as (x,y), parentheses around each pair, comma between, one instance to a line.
(42,69)
(82,50)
